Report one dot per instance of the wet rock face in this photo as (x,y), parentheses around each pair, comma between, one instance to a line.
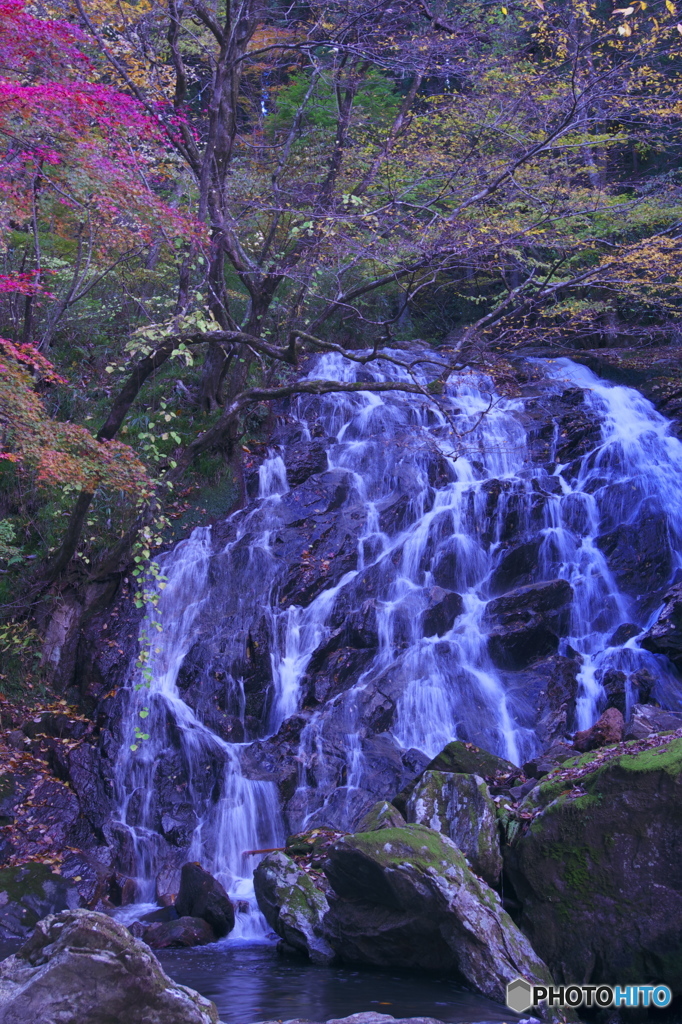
(27,894)
(665,636)
(640,556)
(85,967)
(597,871)
(526,623)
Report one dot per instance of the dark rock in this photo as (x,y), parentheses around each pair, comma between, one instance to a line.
(517,567)
(518,792)
(28,893)
(665,636)
(625,632)
(543,696)
(201,895)
(646,719)
(161,916)
(90,784)
(442,611)
(304,459)
(598,874)
(95,880)
(615,686)
(184,932)
(85,967)
(643,683)
(608,729)
(526,623)
(178,827)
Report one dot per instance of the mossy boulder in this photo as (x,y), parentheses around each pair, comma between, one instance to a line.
(463,759)
(294,904)
(405,897)
(83,966)
(381,815)
(460,806)
(598,870)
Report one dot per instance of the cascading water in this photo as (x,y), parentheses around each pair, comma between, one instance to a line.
(303,619)
(228,814)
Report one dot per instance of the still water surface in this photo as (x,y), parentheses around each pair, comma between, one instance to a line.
(253,983)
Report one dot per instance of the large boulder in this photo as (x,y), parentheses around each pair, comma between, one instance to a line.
(85,967)
(460,807)
(598,871)
(406,897)
(398,897)
(201,895)
(294,904)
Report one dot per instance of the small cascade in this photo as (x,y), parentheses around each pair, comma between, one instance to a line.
(226,815)
(318,647)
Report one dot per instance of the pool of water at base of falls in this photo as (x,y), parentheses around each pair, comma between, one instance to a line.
(254,983)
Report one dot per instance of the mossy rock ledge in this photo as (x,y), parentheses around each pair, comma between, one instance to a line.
(397,897)
(598,870)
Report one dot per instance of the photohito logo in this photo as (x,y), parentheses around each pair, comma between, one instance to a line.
(522,996)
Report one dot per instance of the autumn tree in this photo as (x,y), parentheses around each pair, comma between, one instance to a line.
(337,175)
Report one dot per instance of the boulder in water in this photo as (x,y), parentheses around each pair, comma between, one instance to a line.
(294,904)
(460,806)
(182,933)
(608,729)
(201,895)
(83,966)
(405,897)
(597,870)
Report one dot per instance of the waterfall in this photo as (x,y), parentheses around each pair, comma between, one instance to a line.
(448,502)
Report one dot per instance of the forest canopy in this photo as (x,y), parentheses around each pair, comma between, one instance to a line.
(196,196)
